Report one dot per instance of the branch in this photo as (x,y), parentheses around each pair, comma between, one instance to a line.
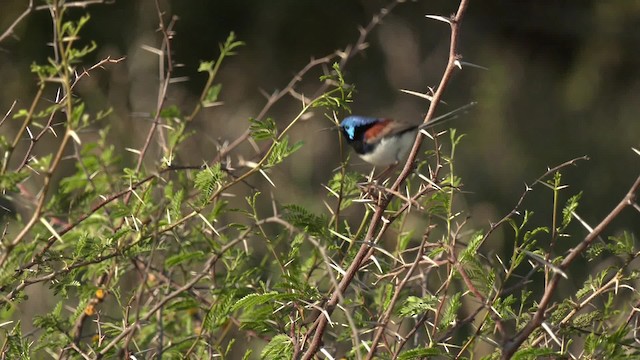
(512,345)
(164,52)
(364,249)
(206,270)
(17,21)
(382,324)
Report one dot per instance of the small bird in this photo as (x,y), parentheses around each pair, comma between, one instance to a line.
(384,142)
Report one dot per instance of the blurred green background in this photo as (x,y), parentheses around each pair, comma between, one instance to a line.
(562,82)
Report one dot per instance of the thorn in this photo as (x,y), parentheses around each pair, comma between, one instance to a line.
(420,95)
(439,18)
(473,65)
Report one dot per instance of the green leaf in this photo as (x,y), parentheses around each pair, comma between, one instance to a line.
(51,322)
(208,181)
(450,312)
(535,353)
(339,97)
(472,249)
(622,245)
(218,316)
(295,244)
(171,112)
(177,135)
(77,114)
(10,180)
(386,294)
(455,138)
(230,45)
(305,219)
(532,233)
(20,113)
(255,299)
(219,208)
(176,203)
(212,95)
(130,175)
(184,303)
(206,66)
(403,240)
(263,130)
(43,72)
(17,346)
(345,185)
(586,320)
(282,150)
(419,353)
(183,257)
(504,306)
(75,55)
(414,305)
(280,347)
(569,208)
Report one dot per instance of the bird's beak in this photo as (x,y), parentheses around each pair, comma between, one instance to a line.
(332,128)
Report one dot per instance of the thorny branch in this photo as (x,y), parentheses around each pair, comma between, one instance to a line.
(109,199)
(353,268)
(512,344)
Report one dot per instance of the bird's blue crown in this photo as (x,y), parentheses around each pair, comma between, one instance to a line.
(351,123)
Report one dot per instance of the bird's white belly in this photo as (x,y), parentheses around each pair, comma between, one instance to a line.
(391,150)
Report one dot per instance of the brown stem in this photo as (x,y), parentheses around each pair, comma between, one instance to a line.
(17,21)
(512,345)
(382,324)
(364,249)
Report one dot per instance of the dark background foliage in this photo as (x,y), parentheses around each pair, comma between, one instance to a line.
(561,82)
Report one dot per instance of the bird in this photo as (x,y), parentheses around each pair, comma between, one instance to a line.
(385,142)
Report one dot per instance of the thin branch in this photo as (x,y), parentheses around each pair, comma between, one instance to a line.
(177,292)
(516,208)
(77,4)
(6,115)
(512,345)
(364,249)
(347,54)
(384,320)
(165,54)
(11,28)
(272,100)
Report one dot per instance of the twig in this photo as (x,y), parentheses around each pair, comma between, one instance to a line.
(382,323)
(512,345)
(78,4)
(177,292)
(17,21)
(165,52)
(272,100)
(516,208)
(345,55)
(8,112)
(376,219)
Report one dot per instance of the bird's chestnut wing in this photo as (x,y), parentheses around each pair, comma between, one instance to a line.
(384,128)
